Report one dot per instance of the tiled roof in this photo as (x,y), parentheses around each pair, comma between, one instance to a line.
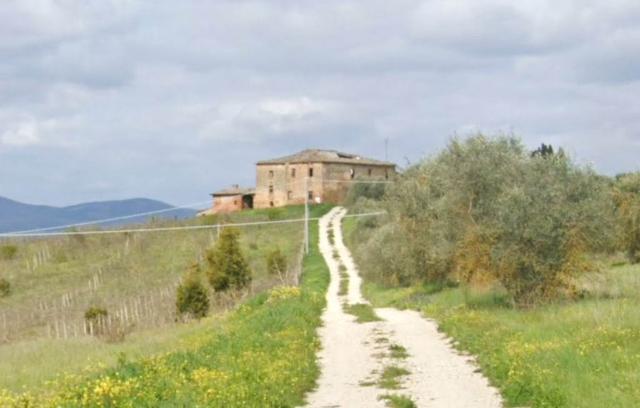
(233,191)
(325,156)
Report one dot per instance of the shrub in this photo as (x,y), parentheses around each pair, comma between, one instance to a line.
(192,299)
(277,264)
(8,252)
(95,313)
(372,191)
(486,209)
(5,288)
(227,266)
(96,320)
(627,199)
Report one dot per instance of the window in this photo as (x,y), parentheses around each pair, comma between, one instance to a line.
(310,195)
(310,171)
(293,172)
(270,173)
(289,195)
(386,174)
(369,171)
(271,204)
(271,189)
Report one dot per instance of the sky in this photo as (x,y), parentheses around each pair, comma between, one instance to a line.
(172,100)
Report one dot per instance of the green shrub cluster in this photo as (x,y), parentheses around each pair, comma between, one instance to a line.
(487,209)
(627,198)
(227,267)
(192,298)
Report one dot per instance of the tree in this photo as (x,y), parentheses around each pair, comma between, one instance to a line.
(227,266)
(486,209)
(627,199)
(192,299)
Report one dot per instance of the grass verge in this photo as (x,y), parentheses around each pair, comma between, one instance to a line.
(264,354)
(573,354)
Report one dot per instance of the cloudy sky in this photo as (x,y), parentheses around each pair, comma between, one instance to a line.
(107,99)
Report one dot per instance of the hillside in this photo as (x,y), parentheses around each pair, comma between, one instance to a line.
(17,216)
(133,276)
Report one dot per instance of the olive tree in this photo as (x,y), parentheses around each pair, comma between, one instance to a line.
(627,199)
(486,207)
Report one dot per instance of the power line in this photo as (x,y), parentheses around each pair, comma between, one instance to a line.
(165,229)
(104,220)
(143,214)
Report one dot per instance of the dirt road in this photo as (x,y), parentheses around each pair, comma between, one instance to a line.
(359,360)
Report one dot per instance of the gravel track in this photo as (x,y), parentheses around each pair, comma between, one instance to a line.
(354,354)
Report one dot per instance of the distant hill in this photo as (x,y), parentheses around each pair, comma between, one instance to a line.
(16,216)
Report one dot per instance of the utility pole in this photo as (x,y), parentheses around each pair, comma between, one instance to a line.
(306,213)
(386,149)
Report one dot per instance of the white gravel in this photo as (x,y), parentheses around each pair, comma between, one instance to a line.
(352,352)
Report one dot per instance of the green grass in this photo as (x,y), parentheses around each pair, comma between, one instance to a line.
(398,352)
(263,354)
(363,312)
(30,364)
(149,264)
(583,353)
(398,401)
(391,377)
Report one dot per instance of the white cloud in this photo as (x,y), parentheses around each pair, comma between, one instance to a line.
(153,93)
(21,135)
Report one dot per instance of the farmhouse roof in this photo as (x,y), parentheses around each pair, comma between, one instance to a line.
(234,191)
(326,156)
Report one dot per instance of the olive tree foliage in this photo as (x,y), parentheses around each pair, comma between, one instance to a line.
(227,267)
(627,199)
(487,209)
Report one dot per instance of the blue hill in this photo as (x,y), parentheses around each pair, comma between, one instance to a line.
(16,216)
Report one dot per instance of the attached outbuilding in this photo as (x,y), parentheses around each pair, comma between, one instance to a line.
(232,199)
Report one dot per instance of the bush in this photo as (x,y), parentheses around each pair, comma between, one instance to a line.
(627,199)
(486,209)
(192,299)
(277,264)
(95,313)
(96,320)
(5,288)
(371,191)
(8,252)
(227,266)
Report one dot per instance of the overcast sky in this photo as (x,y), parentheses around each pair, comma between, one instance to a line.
(109,99)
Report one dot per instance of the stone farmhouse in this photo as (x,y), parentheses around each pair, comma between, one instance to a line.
(320,176)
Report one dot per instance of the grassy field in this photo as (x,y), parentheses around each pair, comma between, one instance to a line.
(55,280)
(574,354)
(263,354)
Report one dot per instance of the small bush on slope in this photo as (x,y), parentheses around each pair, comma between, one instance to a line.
(192,298)
(228,268)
